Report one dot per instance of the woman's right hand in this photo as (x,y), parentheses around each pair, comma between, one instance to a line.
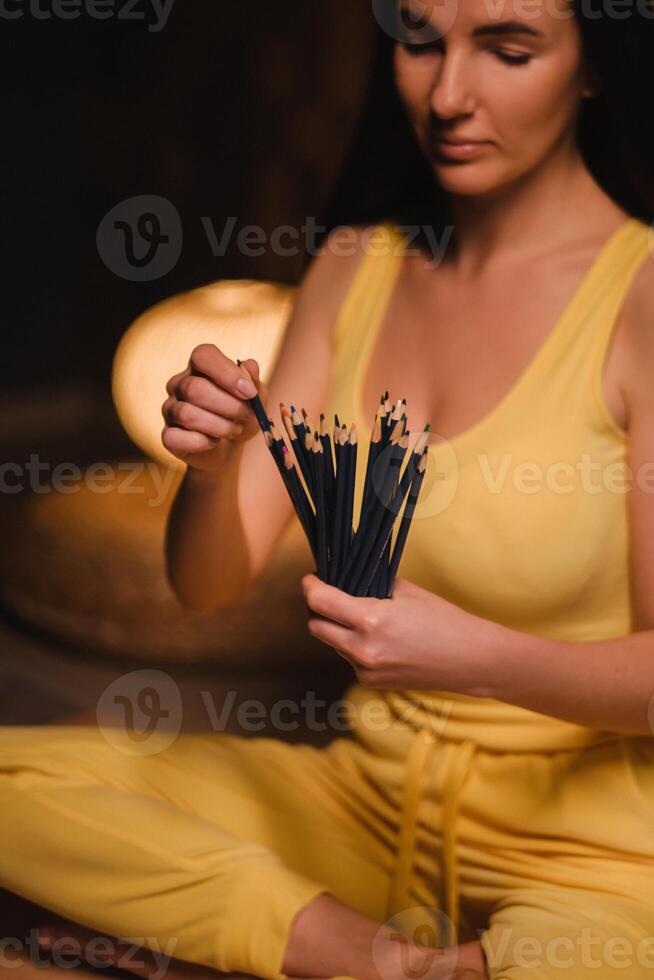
(207,416)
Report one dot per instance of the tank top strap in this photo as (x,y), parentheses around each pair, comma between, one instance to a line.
(573,373)
(370,289)
(603,290)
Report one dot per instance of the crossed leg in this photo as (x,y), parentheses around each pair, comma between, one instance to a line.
(210,849)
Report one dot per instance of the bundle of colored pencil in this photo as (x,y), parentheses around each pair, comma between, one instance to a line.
(321,487)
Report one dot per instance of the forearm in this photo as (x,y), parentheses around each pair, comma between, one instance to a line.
(604,684)
(206,550)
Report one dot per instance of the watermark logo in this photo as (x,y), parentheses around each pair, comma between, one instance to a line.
(141,712)
(141,239)
(413,24)
(417,943)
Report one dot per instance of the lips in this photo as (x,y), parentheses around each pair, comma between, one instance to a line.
(456,142)
(457,150)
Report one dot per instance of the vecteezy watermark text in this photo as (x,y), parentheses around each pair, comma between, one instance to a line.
(100,952)
(42,477)
(288,241)
(153,12)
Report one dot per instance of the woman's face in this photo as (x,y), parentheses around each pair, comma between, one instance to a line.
(464,76)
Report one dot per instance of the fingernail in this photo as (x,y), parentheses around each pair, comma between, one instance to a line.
(246,387)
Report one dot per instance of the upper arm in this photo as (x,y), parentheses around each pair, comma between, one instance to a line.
(639,394)
(301,378)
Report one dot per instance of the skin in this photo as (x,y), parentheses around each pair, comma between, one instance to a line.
(529,219)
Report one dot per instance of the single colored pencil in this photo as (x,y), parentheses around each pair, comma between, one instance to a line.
(337,529)
(296,436)
(337,444)
(257,405)
(378,582)
(405,523)
(302,505)
(351,458)
(317,470)
(328,463)
(374,447)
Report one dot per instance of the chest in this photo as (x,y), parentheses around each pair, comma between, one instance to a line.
(454,351)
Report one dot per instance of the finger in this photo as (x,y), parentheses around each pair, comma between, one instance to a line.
(334,635)
(333,603)
(182,443)
(187,416)
(252,368)
(205,394)
(209,360)
(166,405)
(174,381)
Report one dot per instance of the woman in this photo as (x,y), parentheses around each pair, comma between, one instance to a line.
(497,786)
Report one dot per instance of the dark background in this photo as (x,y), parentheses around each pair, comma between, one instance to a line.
(231,109)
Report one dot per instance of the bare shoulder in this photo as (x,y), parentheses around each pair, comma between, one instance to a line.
(638,339)
(332,269)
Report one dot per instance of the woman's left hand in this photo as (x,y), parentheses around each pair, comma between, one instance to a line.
(414,640)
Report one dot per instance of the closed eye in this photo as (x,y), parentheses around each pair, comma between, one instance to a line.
(512,58)
(420,42)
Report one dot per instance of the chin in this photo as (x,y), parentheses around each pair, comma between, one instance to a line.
(470,179)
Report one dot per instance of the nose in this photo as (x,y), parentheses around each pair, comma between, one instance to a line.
(452,90)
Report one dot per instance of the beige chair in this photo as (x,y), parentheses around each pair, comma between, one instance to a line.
(88,567)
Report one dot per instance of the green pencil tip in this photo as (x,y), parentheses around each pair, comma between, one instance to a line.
(428,427)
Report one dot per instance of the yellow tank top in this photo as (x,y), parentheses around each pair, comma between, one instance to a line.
(522,517)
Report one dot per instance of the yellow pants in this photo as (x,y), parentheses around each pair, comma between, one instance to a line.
(525,837)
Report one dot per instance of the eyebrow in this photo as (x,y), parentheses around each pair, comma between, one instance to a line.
(494,28)
(506,27)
